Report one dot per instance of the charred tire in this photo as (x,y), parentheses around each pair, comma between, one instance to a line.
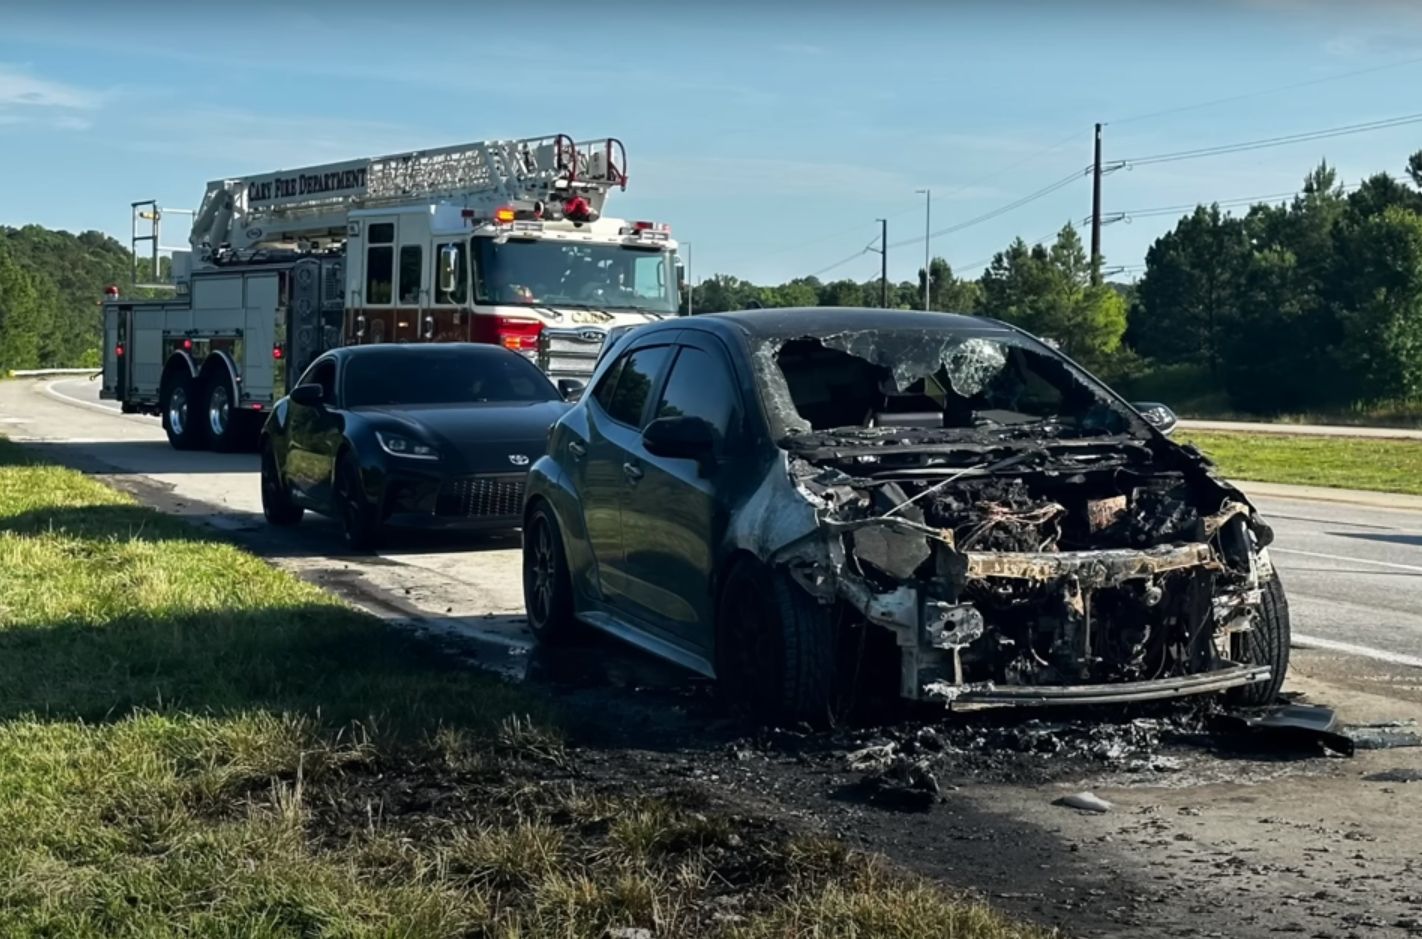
(178,406)
(225,424)
(1266,644)
(277,505)
(547,587)
(360,523)
(775,647)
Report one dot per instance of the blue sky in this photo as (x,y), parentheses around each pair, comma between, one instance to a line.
(770,135)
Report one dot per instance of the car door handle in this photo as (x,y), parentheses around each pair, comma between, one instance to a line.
(577,449)
(632,471)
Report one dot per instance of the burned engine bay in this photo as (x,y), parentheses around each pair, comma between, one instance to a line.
(1024,536)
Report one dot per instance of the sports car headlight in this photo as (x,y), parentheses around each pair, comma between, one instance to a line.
(396,445)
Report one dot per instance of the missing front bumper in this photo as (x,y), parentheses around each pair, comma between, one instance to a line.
(1223,679)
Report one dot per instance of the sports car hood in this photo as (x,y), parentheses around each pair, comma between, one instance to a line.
(476,433)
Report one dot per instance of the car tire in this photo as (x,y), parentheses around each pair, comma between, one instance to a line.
(1266,644)
(360,524)
(775,647)
(547,586)
(177,407)
(277,504)
(224,423)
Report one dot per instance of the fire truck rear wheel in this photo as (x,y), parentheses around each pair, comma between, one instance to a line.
(179,413)
(224,422)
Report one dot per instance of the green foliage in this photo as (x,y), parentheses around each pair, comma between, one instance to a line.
(1048,292)
(22,318)
(1316,305)
(67,274)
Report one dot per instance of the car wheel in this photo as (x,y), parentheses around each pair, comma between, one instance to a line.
(1266,644)
(359,522)
(224,423)
(775,647)
(547,588)
(177,407)
(277,505)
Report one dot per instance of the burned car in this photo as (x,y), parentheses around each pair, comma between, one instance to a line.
(802,501)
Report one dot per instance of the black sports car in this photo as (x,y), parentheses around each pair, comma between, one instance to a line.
(429,435)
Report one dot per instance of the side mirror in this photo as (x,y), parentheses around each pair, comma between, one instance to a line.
(571,388)
(448,268)
(1157,415)
(680,438)
(309,395)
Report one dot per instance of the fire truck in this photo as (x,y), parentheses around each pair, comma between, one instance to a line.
(500,241)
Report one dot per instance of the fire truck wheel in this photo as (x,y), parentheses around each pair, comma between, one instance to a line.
(223,421)
(179,413)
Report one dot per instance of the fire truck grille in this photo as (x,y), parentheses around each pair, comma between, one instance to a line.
(480,497)
(570,353)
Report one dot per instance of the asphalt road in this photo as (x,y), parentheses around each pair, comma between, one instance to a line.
(1352,572)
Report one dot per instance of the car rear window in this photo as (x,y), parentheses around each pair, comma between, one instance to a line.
(401,377)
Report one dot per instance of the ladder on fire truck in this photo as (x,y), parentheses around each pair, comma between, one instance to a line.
(306,208)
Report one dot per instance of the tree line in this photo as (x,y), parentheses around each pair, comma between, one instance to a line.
(1312,304)
(51,283)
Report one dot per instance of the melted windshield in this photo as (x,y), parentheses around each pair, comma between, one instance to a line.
(859,382)
(563,274)
(403,377)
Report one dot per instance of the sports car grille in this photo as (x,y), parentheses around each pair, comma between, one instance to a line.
(480,497)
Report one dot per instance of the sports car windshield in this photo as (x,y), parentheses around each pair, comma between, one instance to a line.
(852,383)
(565,274)
(402,377)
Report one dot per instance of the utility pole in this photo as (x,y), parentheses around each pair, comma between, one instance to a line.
(1096,212)
(690,283)
(927,224)
(883,262)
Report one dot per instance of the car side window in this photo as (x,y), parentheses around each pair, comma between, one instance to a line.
(700,385)
(636,375)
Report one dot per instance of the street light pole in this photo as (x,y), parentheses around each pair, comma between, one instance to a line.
(690,284)
(927,224)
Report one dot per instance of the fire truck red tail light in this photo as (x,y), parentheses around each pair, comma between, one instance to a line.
(518,335)
(187,344)
(118,350)
(276,352)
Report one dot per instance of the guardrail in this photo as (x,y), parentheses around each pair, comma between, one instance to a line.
(40,372)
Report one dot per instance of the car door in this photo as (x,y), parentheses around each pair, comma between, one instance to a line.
(675,511)
(309,451)
(615,415)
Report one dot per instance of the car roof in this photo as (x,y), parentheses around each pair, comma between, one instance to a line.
(424,348)
(793,322)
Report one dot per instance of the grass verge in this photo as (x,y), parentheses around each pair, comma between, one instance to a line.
(193,743)
(1343,462)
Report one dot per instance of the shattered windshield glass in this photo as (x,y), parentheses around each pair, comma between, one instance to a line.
(864,382)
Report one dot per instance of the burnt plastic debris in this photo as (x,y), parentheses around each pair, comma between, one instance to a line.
(1384,735)
(1289,727)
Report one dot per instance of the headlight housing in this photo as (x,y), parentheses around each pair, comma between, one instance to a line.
(397,445)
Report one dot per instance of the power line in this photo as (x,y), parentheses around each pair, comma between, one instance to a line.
(1265,142)
(1000,210)
(1266,91)
(1129,214)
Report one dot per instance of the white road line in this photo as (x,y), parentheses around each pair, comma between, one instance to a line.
(1342,557)
(51,389)
(1348,648)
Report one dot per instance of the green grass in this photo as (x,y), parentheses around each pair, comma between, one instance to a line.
(195,744)
(1342,462)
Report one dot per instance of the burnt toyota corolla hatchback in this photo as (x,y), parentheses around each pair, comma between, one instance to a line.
(807,502)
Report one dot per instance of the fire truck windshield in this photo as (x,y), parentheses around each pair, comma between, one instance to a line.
(560,274)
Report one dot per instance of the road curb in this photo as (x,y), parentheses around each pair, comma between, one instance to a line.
(41,372)
(1376,500)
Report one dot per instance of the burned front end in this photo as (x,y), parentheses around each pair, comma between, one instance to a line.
(1020,533)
